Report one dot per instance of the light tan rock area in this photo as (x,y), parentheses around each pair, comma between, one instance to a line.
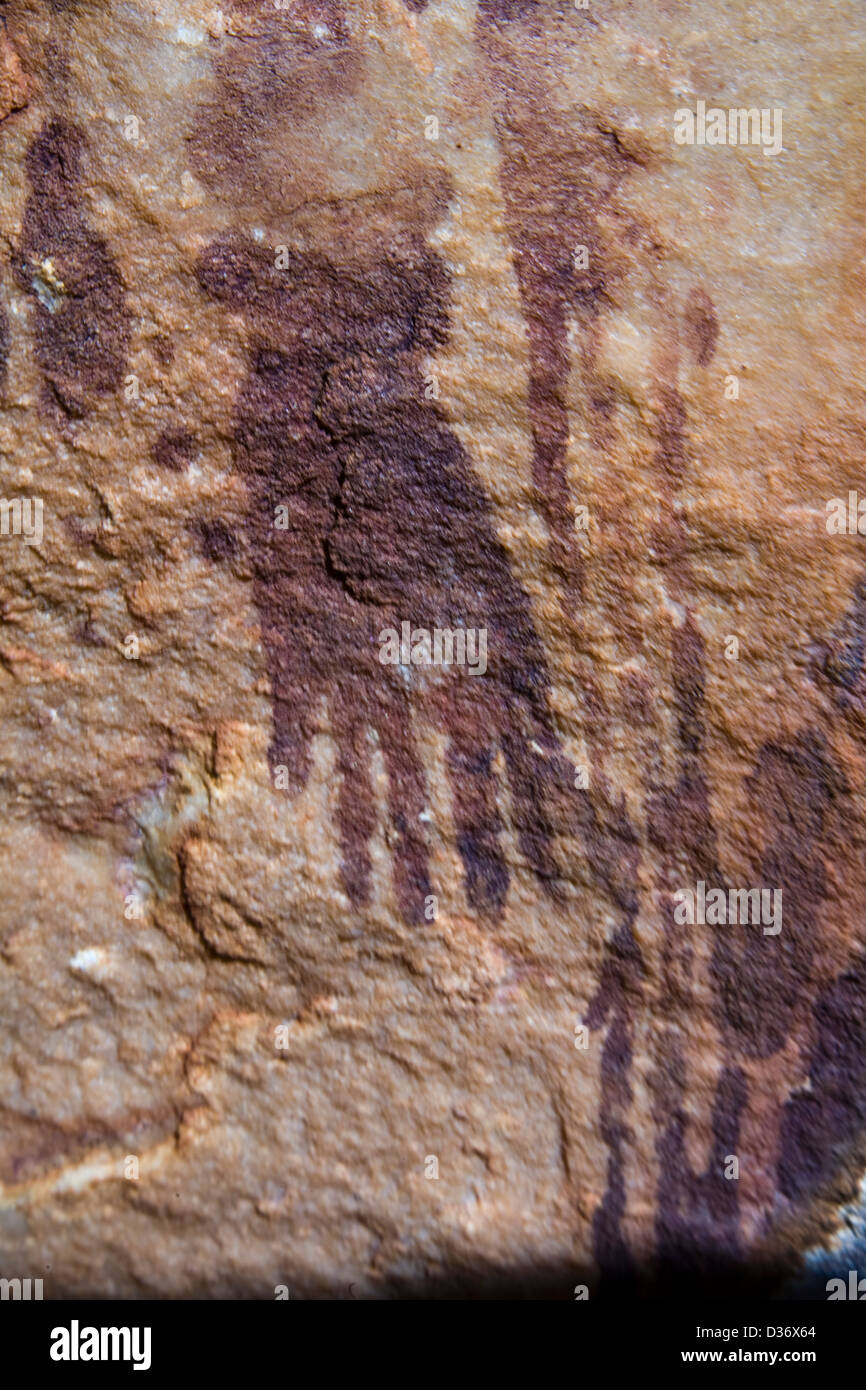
(431,655)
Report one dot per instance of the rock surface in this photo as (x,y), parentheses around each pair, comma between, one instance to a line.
(368,979)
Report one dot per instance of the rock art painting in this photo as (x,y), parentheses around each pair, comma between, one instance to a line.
(431,649)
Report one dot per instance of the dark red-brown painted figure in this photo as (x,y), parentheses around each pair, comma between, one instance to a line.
(384,524)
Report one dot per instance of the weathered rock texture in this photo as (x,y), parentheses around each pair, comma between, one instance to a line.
(435,285)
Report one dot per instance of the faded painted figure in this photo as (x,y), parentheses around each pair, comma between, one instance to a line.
(384,522)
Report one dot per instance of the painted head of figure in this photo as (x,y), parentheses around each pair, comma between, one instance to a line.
(273,133)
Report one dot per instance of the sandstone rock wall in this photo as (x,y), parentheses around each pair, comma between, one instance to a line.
(368,978)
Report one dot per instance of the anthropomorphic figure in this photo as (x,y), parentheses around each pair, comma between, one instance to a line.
(364,514)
